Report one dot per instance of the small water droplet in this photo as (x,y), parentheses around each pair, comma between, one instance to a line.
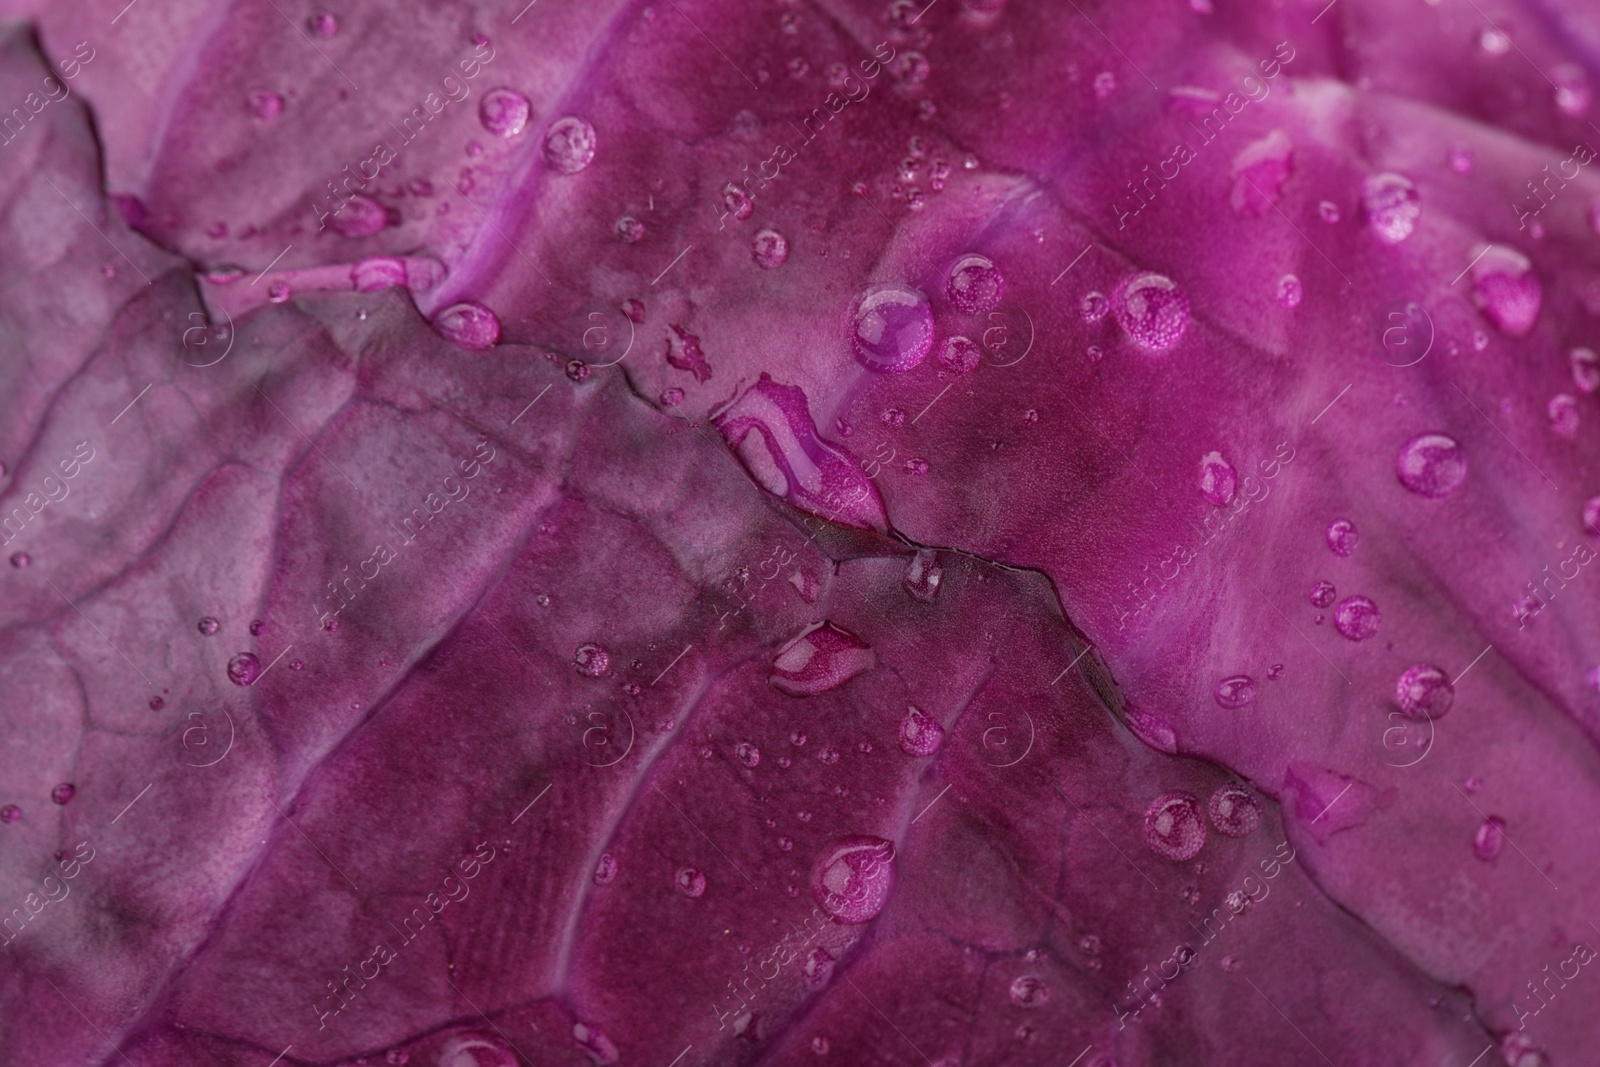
(1357,618)
(798,739)
(974,285)
(690,882)
(278,293)
(1029,991)
(1290,291)
(916,465)
(1572,92)
(591,660)
(1094,306)
(892,328)
(829,755)
(671,398)
(208,626)
(1234,810)
(1274,672)
(10,813)
(1461,159)
(1217,479)
(747,754)
(1329,211)
(156,703)
(920,734)
(1236,692)
(911,67)
(1391,205)
(923,575)
(1585,369)
(605,871)
(1490,838)
(960,355)
(264,104)
(818,967)
(1173,827)
(1506,287)
(819,1045)
(297,665)
(20,560)
(1424,691)
(769,248)
(1342,537)
(1563,414)
(323,24)
(629,230)
(244,668)
(504,112)
(1229,963)
(359,216)
(468,324)
(1494,42)
(853,877)
(569,145)
(1151,310)
(1105,83)
(63,793)
(1432,465)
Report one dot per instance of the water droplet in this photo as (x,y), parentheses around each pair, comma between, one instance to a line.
(264,104)
(468,324)
(278,293)
(920,734)
(1490,838)
(1461,159)
(818,660)
(1391,205)
(63,793)
(1217,479)
(798,739)
(747,754)
(1151,310)
(1356,618)
(690,882)
(916,465)
(475,1051)
(1029,991)
(819,1045)
(244,669)
(1274,672)
(591,660)
(297,665)
(377,273)
(1563,413)
(892,417)
(1173,827)
(360,216)
(974,285)
(629,230)
(1585,369)
(543,600)
(829,755)
(923,575)
(769,249)
(504,112)
(156,703)
(671,398)
(960,355)
(1329,211)
(1572,89)
(20,560)
(1506,288)
(892,328)
(1290,291)
(397,1057)
(10,813)
(1342,537)
(1234,810)
(1152,729)
(1093,306)
(578,370)
(208,625)
(323,24)
(853,877)
(910,67)
(606,870)
(1229,963)
(1236,692)
(737,203)
(1424,691)
(1105,83)
(818,967)
(1432,465)
(1094,353)
(1494,42)
(569,145)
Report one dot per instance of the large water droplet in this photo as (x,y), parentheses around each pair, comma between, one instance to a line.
(1217,480)
(591,660)
(1432,465)
(569,145)
(468,324)
(1356,618)
(853,877)
(1029,991)
(1234,810)
(1173,827)
(244,669)
(769,249)
(1391,204)
(1236,692)
(690,882)
(1342,537)
(504,112)
(920,734)
(1424,691)
(974,285)
(1505,286)
(892,328)
(1151,310)
(820,659)
(923,575)
(1490,838)
(1585,369)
